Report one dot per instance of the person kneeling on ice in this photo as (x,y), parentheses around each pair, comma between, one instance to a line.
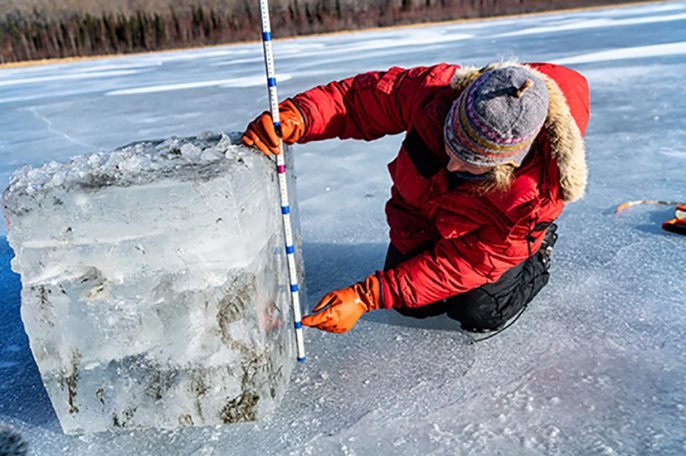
(489,160)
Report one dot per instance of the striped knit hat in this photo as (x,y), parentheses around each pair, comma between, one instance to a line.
(497,117)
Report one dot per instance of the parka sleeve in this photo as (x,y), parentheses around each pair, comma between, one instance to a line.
(367,106)
(452,267)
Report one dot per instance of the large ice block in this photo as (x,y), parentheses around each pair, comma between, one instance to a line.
(155,288)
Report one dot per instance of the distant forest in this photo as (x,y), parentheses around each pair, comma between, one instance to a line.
(41,29)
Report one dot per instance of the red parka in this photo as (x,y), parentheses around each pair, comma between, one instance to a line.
(476,237)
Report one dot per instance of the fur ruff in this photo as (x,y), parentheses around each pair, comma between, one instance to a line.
(566,143)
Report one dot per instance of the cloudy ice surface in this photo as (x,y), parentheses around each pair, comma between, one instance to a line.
(596,365)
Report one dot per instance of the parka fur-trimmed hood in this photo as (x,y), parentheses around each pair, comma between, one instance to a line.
(566,141)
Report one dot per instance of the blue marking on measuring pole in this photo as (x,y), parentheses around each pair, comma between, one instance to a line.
(290,249)
(298,325)
(281,171)
(285,210)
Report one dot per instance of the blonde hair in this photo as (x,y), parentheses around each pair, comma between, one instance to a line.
(500,177)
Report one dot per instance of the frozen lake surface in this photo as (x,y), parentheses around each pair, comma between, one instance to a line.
(597,365)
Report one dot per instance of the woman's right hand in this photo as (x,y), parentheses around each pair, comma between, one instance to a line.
(262,135)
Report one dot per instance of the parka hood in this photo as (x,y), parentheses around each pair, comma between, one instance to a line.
(566,141)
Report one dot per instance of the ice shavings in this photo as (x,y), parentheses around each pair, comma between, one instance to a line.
(133,164)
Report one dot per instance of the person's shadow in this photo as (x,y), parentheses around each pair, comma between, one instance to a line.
(332,266)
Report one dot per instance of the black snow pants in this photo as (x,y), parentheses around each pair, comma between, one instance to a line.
(490,306)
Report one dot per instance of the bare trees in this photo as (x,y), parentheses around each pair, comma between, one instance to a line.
(36,36)
(37,29)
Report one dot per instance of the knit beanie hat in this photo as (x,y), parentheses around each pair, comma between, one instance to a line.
(497,117)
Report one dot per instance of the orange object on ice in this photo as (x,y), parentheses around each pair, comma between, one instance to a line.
(629,204)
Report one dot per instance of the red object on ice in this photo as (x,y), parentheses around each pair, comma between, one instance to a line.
(678,223)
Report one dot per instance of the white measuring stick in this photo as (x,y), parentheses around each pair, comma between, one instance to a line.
(283,185)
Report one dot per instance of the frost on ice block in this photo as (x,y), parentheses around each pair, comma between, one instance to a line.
(155,287)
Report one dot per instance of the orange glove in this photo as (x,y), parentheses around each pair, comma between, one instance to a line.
(261,134)
(340,309)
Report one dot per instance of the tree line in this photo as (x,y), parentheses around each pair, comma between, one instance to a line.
(42,33)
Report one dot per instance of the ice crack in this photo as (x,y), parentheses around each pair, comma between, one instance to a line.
(64,135)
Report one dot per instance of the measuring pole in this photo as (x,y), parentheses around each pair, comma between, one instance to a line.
(283,185)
